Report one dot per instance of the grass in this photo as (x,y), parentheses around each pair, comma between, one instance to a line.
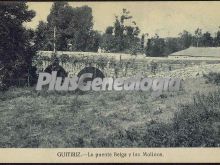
(111,118)
(198,123)
(195,125)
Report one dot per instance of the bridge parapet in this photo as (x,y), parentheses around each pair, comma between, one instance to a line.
(111,64)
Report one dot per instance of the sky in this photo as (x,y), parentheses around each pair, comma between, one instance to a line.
(167,19)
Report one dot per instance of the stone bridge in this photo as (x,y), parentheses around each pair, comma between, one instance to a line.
(111,64)
(74,62)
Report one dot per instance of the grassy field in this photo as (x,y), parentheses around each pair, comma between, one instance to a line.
(111,119)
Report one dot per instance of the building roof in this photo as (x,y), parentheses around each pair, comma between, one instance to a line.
(199,52)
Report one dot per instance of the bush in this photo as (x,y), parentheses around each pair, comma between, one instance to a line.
(213,77)
(195,124)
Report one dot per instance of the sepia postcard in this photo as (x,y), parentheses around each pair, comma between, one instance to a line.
(109,81)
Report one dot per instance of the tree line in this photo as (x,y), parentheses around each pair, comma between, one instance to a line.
(157,46)
(75,32)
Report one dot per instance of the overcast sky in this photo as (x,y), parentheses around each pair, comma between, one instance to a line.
(167,19)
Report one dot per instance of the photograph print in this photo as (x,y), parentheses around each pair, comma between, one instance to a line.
(109,74)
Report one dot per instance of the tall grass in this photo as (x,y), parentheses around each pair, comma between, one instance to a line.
(198,124)
(95,119)
(195,125)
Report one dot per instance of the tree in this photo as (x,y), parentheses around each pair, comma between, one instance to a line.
(109,30)
(185,39)
(173,45)
(197,37)
(16,51)
(155,46)
(143,42)
(42,39)
(207,40)
(121,37)
(74,26)
(82,28)
(217,38)
(60,17)
(108,43)
(93,41)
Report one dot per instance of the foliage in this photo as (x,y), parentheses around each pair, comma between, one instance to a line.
(121,37)
(41,38)
(185,39)
(197,37)
(16,50)
(217,39)
(195,124)
(155,46)
(153,67)
(213,77)
(74,29)
(207,39)
(108,43)
(74,32)
(64,58)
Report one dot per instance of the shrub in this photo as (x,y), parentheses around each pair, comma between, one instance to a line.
(213,77)
(194,123)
